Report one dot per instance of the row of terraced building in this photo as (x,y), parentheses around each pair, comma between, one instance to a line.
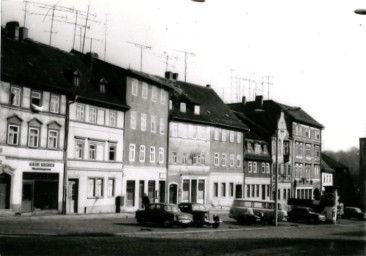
(81,135)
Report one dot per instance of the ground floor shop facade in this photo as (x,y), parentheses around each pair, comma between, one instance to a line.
(31,185)
(224,188)
(257,188)
(138,181)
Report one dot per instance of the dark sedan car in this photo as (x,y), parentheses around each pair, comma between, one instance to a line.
(354,213)
(306,214)
(201,216)
(163,214)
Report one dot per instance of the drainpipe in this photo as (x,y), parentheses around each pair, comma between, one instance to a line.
(64,192)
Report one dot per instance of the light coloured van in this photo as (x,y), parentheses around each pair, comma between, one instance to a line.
(262,208)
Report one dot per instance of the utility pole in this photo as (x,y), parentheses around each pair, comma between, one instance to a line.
(185,62)
(142,47)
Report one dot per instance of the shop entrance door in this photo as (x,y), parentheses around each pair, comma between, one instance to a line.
(162,191)
(4,191)
(73,195)
(141,192)
(27,196)
(238,191)
(173,193)
(263,192)
(194,191)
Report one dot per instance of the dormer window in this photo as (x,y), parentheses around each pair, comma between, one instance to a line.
(102,85)
(76,78)
(183,107)
(197,109)
(170,104)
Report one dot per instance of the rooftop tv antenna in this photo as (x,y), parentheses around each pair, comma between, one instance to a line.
(267,80)
(186,54)
(249,80)
(142,47)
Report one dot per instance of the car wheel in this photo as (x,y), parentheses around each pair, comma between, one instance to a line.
(241,220)
(199,223)
(167,223)
(216,225)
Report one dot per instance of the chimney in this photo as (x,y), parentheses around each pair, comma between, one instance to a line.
(243,100)
(12,29)
(168,75)
(90,56)
(259,102)
(175,76)
(23,33)
(208,85)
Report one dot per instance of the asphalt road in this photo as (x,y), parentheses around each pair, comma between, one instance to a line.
(116,236)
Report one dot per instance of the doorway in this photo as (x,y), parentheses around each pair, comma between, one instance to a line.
(194,191)
(238,191)
(263,192)
(162,191)
(27,196)
(73,195)
(4,191)
(173,188)
(141,192)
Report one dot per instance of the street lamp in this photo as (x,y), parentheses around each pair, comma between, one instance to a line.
(360,11)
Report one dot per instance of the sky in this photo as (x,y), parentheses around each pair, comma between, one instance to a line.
(305,53)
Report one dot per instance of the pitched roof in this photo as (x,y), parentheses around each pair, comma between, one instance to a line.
(213,110)
(267,115)
(325,167)
(256,132)
(332,163)
(41,66)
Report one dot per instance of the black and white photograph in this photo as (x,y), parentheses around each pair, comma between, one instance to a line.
(183,127)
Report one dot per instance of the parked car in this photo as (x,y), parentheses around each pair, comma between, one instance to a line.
(163,214)
(263,209)
(201,215)
(248,217)
(306,214)
(354,213)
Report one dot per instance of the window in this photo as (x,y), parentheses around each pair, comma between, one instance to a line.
(216,189)
(253,190)
(36,98)
(113,118)
(223,189)
(196,158)
(263,167)
(267,167)
(131,155)
(170,104)
(257,190)
(135,87)
(250,169)
(133,120)
(143,122)
(316,171)
(238,161)
(174,130)
(186,190)
(161,155)
(154,96)
(80,110)
(102,84)
(144,90)
(257,148)
(15,96)
(284,194)
(13,134)
(231,189)
(223,159)
(112,152)
(223,133)
(196,109)
(79,150)
(248,191)
(52,139)
(203,159)
(162,97)
(153,124)
(183,107)
(142,153)
(307,170)
(232,136)
(110,189)
(151,190)
(217,134)
(249,147)
(174,157)
(254,167)
(308,151)
(184,158)
(316,152)
(33,137)
(92,151)
(55,104)
(238,137)
(93,115)
(152,154)
(76,78)
(95,187)
(286,149)
(216,159)
(162,126)
(232,160)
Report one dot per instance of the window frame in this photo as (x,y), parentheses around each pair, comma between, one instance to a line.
(133,120)
(18,96)
(114,123)
(161,155)
(50,137)
(38,136)
(40,97)
(153,124)
(134,87)
(143,122)
(132,152)
(58,103)
(92,151)
(232,160)
(152,154)
(91,111)
(18,126)
(142,153)
(113,187)
(223,159)
(216,159)
(80,115)
(144,90)
(114,146)
(82,143)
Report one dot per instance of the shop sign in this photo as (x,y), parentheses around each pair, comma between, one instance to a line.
(40,166)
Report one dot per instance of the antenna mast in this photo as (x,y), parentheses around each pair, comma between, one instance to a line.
(141,46)
(185,62)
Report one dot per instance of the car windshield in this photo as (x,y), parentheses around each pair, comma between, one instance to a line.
(198,207)
(311,210)
(358,210)
(171,208)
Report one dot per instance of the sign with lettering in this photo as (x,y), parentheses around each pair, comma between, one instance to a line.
(41,166)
